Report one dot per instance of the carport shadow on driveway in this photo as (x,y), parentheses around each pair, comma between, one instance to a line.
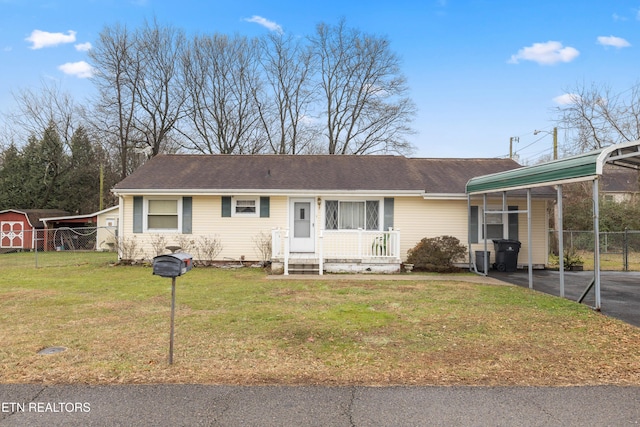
(619,291)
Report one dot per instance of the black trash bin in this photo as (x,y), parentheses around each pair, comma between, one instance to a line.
(480,261)
(506,254)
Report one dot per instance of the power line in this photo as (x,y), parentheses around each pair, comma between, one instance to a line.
(549,127)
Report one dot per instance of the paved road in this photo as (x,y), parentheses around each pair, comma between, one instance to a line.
(200,405)
(619,291)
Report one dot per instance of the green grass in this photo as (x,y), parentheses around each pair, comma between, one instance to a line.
(239,327)
(608,261)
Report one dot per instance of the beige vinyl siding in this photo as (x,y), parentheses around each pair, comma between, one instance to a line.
(236,234)
(417,218)
(414,217)
(126,217)
(539,232)
(106,235)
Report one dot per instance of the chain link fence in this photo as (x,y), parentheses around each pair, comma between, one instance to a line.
(619,250)
(50,247)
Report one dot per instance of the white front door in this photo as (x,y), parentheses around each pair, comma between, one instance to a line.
(302,225)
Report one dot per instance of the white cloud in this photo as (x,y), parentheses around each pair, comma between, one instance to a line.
(613,41)
(83,47)
(270,25)
(42,39)
(548,53)
(567,99)
(79,69)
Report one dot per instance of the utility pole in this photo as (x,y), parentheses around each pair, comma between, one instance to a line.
(511,141)
(101,186)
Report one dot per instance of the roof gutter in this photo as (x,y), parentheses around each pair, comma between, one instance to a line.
(271,192)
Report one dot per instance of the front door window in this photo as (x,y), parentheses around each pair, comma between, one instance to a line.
(302,221)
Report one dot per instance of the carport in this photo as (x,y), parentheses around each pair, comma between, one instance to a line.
(584,167)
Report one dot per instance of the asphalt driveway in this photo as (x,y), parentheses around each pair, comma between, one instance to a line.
(619,291)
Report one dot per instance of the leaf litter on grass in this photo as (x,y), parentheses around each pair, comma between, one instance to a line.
(235,327)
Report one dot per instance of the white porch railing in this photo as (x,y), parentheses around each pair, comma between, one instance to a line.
(360,244)
(280,246)
(342,245)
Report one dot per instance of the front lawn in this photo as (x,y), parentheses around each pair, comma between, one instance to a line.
(238,327)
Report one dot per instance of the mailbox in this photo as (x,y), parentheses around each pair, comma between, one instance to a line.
(172,265)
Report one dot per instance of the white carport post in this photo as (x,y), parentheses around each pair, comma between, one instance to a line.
(529,242)
(560,228)
(596,242)
(485,258)
(472,262)
(470,238)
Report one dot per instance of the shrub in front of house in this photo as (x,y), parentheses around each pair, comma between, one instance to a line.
(436,254)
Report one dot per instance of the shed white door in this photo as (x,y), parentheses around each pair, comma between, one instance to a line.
(302,225)
(11,234)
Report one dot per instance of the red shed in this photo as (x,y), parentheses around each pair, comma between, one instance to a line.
(17,227)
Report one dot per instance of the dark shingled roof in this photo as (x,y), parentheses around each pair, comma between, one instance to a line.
(450,176)
(309,172)
(620,180)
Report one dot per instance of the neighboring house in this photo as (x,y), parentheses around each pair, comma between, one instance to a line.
(17,227)
(103,224)
(327,212)
(619,184)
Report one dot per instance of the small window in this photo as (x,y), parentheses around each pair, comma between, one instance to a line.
(499,225)
(245,207)
(495,225)
(162,215)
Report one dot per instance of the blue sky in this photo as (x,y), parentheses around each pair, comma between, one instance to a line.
(480,71)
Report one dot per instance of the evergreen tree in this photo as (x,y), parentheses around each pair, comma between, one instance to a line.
(83,177)
(12,179)
(53,164)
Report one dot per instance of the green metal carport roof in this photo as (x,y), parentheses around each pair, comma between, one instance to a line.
(584,167)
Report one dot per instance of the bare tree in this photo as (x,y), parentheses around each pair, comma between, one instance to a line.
(367,109)
(118,73)
(221,81)
(140,99)
(595,117)
(45,109)
(159,92)
(286,102)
